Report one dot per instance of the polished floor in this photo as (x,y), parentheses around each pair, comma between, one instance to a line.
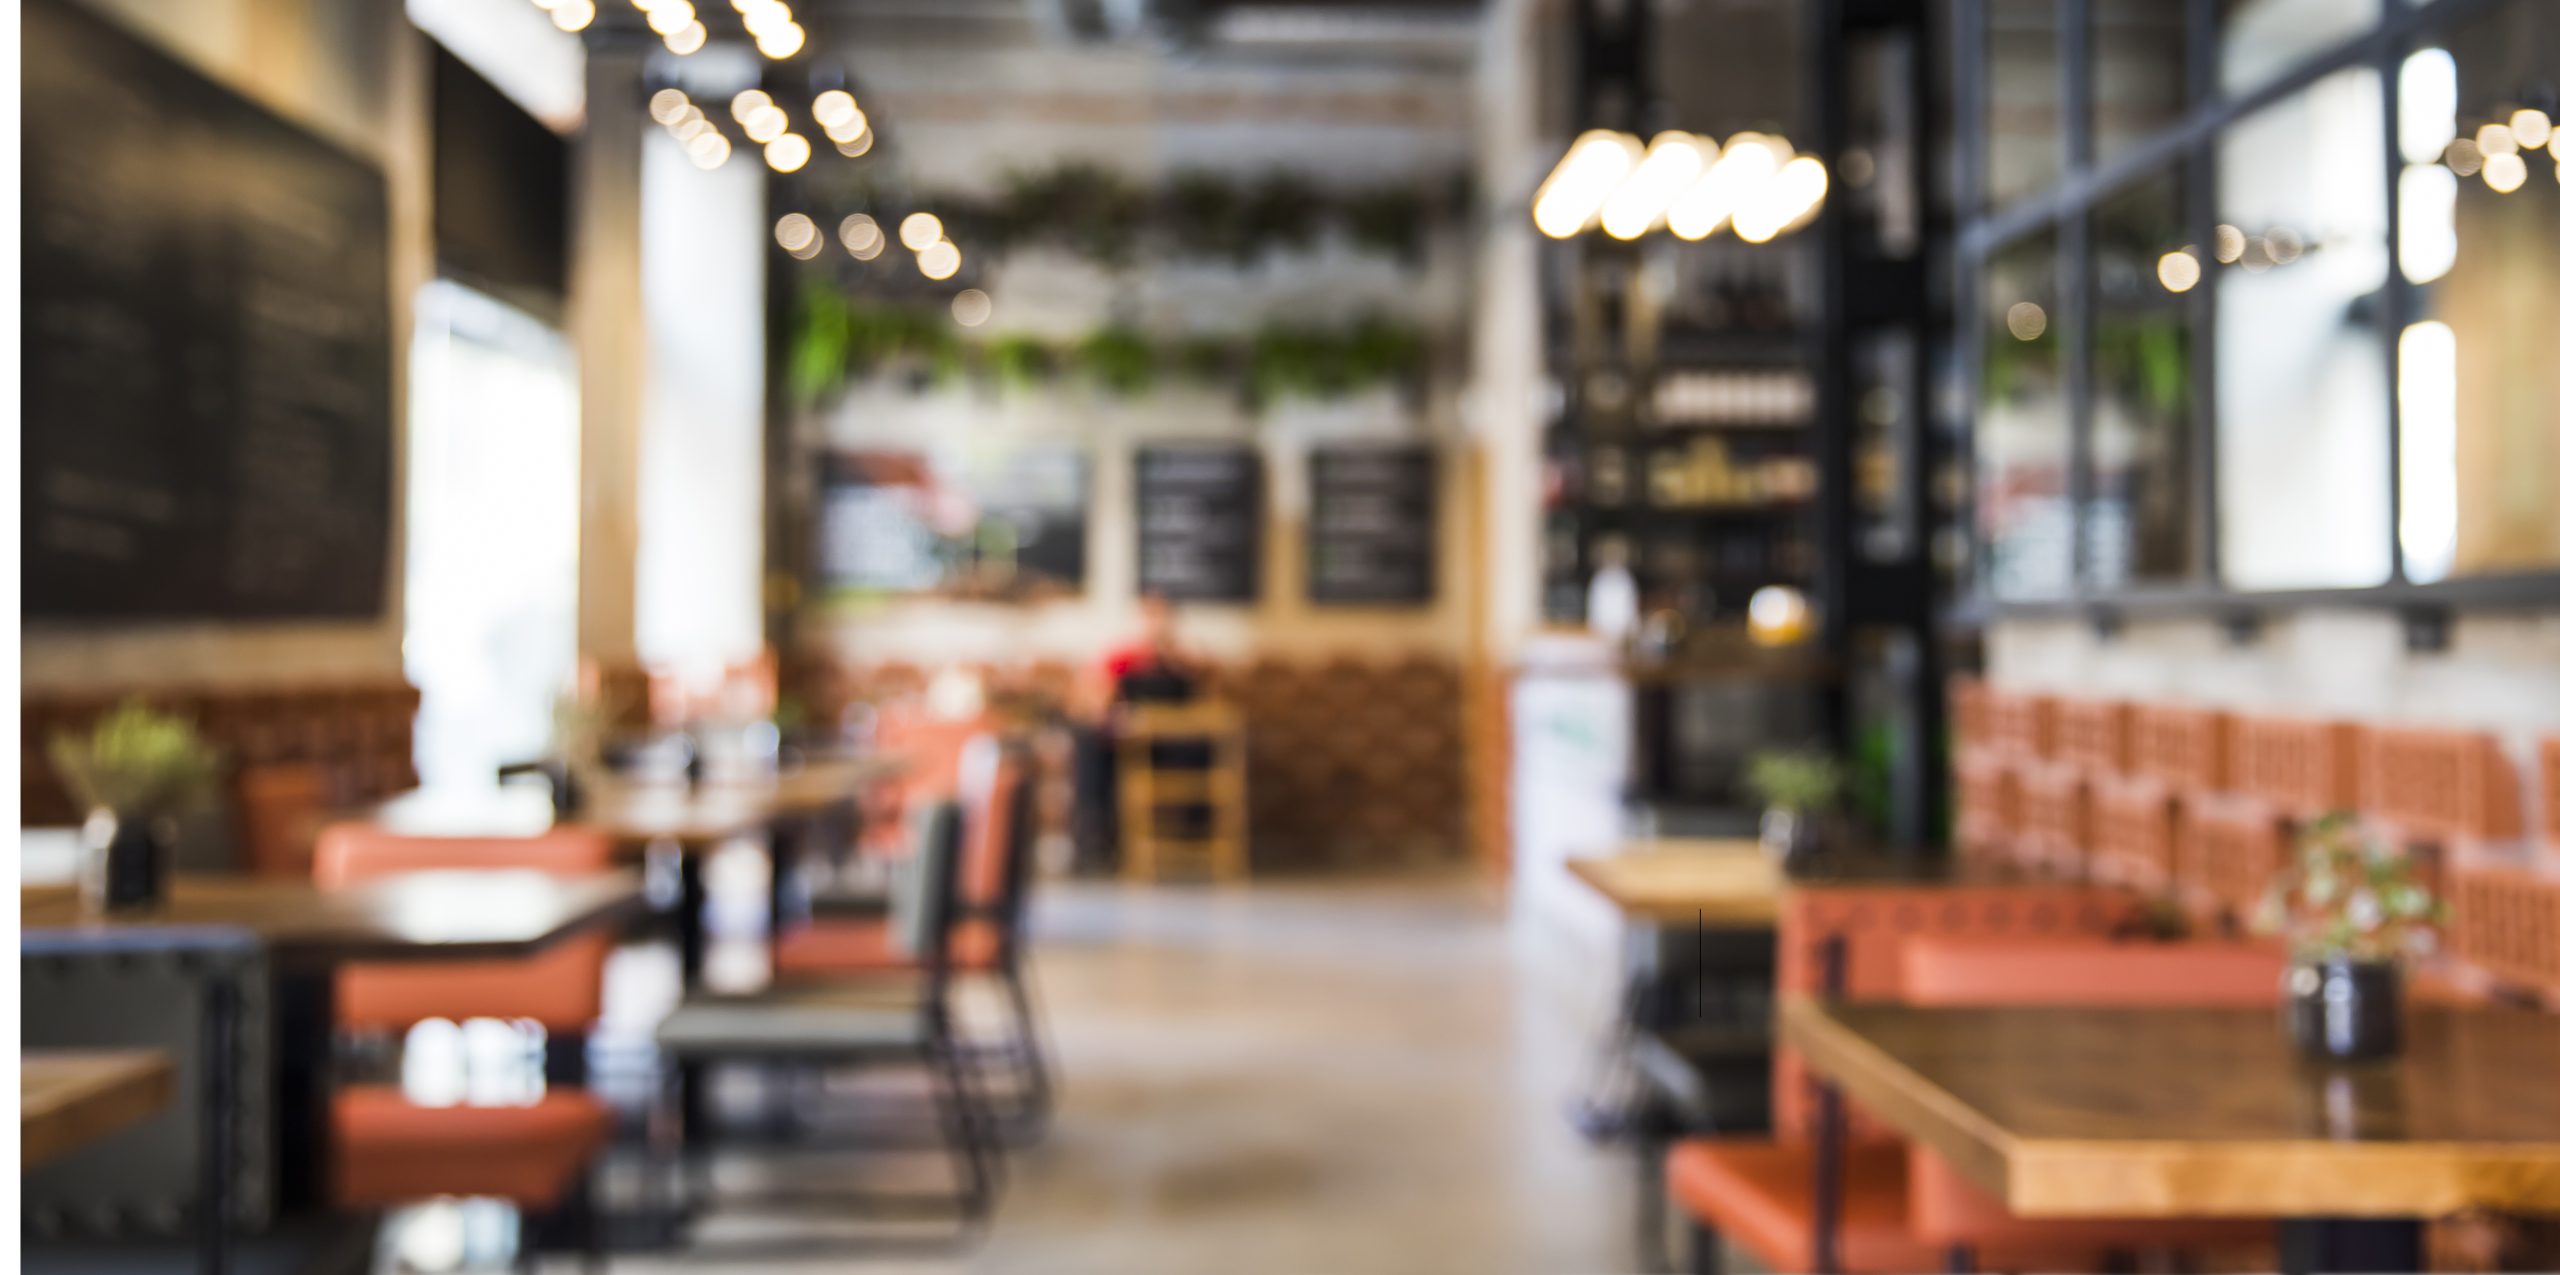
(1294,1077)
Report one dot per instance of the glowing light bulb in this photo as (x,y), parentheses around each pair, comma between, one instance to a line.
(1581,182)
(2180,270)
(670,17)
(782,42)
(920,231)
(1784,201)
(785,154)
(668,105)
(690,40)
(748,103)
(846,129)
(767,124)
(711,155)
(795,231)
(832,107)
(857,148)
(939,260)
(2532,128)
(2503,172)
(2429,97)
(2026,320)
(972,307)
(1732,184)
(2228,243)
(1670,165)
(861,234)
(573,15)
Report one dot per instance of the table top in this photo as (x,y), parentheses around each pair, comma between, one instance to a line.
(412,916)
(2159,1112)
(635,814)
(70,1098)
(1732,881)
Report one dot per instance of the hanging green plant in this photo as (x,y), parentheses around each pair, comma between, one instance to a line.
(1084,208)
(1205,217)
(1381,351)
(821,345)
(1281,212)
(1206,359)
(1119,360)
(1019,362)
(1387,220)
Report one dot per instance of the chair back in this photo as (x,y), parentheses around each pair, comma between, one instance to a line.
(200,995)
(1869,924)
(926,893)
(1014,807)
(562,987)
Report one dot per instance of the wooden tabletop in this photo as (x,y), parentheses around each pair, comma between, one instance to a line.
(636,814)
(413,916)
(70,1098)
(2158,1112)
(1730,880)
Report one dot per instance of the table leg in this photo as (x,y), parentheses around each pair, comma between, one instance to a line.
(782,843)
(691,899)
(2347,1245)
(306,1016)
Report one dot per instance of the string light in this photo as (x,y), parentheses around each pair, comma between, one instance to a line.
(782,41)
(2531,128)
(2496,139)
(670,16)
(785,154)
(1670,166)
(1572,194)
(2504,172)
(939,260)
(832,108)
(767,124)
(748,103)
(2026,320)
(920,231)
(668,105)
(690,40)
(857,148)
(972,307)
(847,129)
(795,232)
(861,236)
(573,15)
(2179,270)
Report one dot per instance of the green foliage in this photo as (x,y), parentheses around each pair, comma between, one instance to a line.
(1119,360)
(136,762)
(2350,897)
(1205,217)
(837,340)
(1387,221)
(1084,208)
(1801,781)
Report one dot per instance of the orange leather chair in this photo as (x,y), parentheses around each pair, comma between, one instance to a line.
(1760,1191)
(391,1150)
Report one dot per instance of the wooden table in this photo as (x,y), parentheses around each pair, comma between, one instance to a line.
(2210,1112)
(1727,882)
(68,1099)
(309,933)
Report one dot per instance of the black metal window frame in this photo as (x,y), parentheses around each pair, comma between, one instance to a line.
(2064,208)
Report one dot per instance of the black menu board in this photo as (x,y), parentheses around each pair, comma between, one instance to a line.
(1200,523)
(207,345)
(1372,525)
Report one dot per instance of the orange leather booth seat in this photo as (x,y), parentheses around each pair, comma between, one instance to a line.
(1761,1196)
(1956,971)
(392,1151)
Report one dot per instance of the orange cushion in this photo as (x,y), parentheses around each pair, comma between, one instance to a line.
(1965,971)
(1946,1208)
(871,946)
(391,1150)
(1760,1196)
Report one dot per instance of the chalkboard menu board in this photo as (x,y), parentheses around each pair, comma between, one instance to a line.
(207,345)
(1200,523)
(1372,528)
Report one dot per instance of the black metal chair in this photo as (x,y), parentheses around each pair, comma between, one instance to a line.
(872,1025)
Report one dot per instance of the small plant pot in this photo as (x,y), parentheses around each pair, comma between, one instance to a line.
(1791,838)
(2345,1011)
(124,861)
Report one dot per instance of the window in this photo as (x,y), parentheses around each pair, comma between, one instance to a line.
(2144,270)
(2257,335)
(2479,204)
(2022,431)
(2303,392)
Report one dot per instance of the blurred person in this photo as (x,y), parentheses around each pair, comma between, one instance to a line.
(1149,667)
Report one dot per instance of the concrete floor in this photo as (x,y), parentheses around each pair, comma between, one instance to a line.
(1331,1076)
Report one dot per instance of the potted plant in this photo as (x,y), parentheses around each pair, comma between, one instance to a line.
(2352,910)
(1796,790)
(136,770)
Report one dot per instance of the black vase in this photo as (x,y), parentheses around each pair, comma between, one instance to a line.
(2345,1011)
(124,861)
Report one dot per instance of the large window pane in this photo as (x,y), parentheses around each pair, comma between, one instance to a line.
(2480,386)
(2144,267)
(2261,39)
(2022,440)
(2022,152)
(2137,71)
(2301,395)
